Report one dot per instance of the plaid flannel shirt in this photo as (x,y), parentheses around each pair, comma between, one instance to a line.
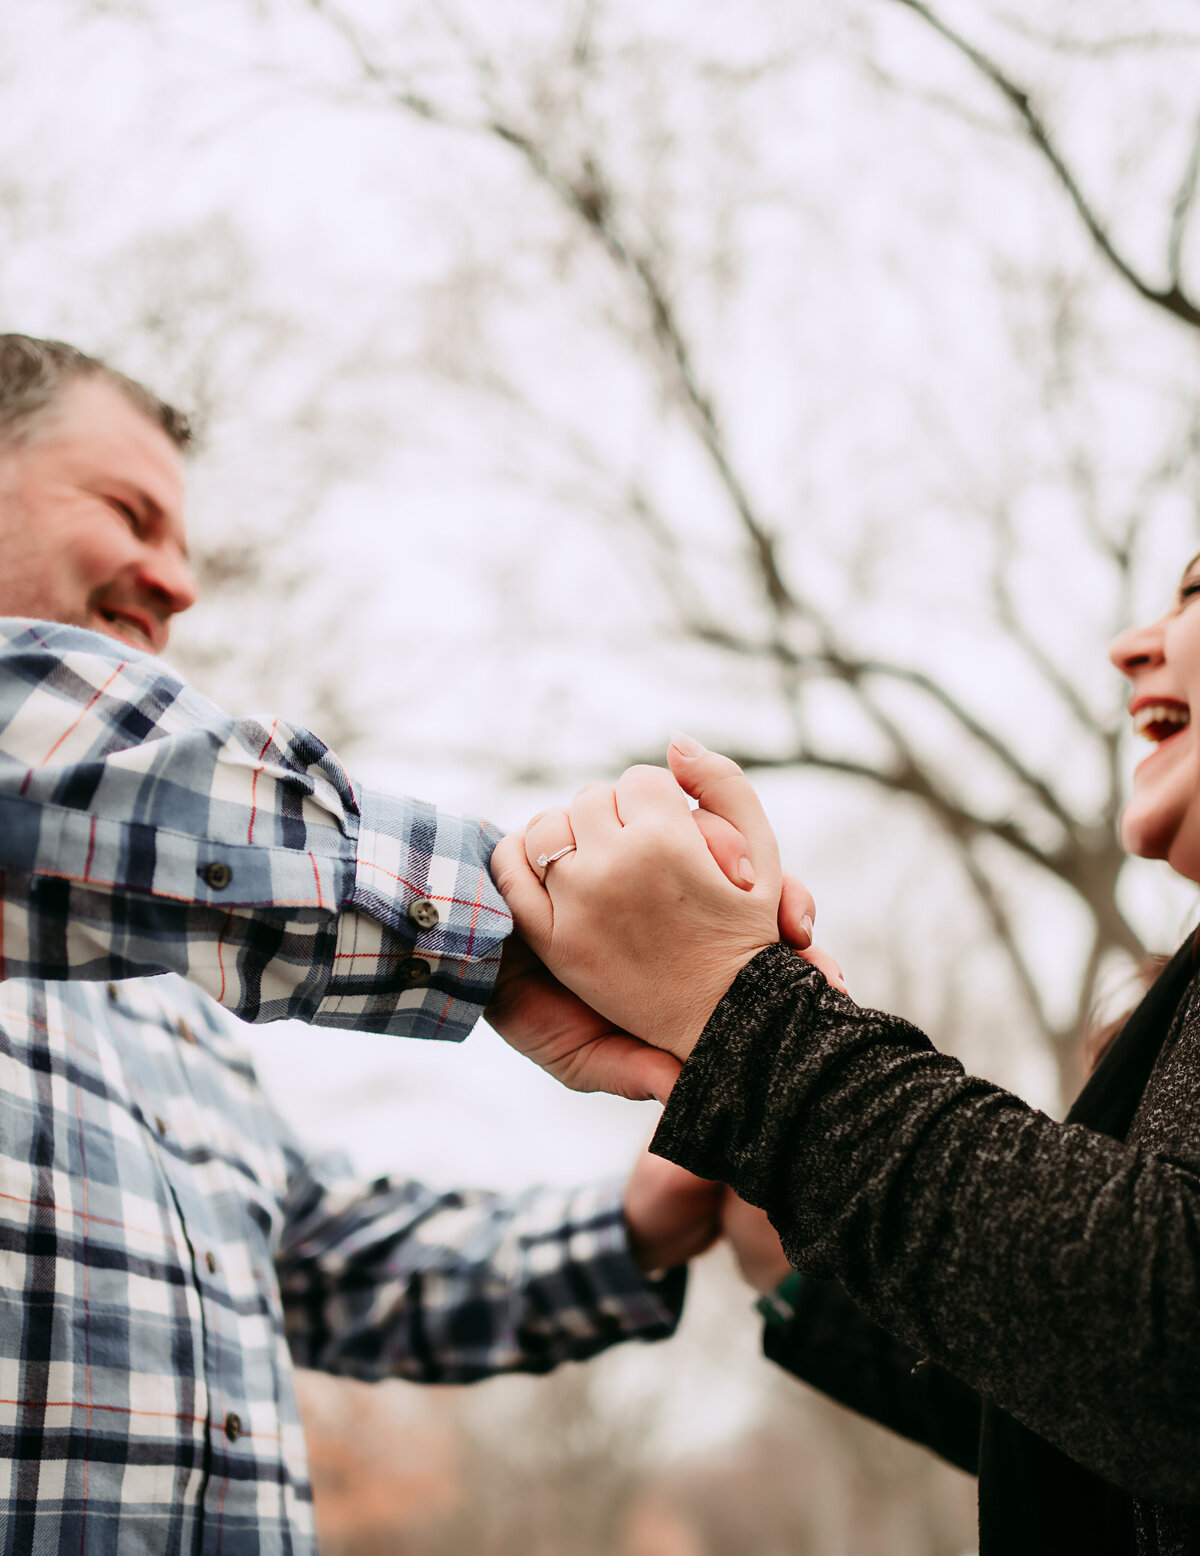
(167,1250)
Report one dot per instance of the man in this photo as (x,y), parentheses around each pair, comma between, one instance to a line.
(166,1247)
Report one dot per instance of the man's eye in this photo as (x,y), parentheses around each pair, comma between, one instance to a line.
(128,514)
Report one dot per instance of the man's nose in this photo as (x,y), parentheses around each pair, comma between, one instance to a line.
(165,574)
(1138,648)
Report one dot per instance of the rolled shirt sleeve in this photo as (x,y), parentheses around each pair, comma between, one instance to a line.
(144,830)
(395,1279)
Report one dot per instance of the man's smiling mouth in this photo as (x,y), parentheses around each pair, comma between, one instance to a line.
(128,628)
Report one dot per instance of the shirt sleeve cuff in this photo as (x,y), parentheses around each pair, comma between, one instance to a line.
(420,938)
(592,1283)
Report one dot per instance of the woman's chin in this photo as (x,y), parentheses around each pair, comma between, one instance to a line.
(1143,834)
(1149,833)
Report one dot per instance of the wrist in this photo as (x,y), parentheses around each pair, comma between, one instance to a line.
(692,1015)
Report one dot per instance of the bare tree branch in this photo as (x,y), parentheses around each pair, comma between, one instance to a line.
(1010,619)
(589,197)
(1171,299)
(853,671)
(941,102)
(399,95)
(564,156)
(1002,928)
(1182,211)
(1099,48)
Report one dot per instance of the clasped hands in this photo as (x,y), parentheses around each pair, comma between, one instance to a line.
(625,945)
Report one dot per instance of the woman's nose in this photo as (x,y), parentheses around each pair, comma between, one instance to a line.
(1139,648)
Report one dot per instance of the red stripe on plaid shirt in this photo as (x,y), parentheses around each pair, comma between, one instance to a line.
(455,902)
(70,730)
(447,1007)
(85,1215)
(254,782)
(122,1410)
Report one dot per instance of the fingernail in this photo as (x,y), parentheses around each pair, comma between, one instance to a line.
(806,927)
(746,871)
(687,744)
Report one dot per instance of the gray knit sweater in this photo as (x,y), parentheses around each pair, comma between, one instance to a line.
(1052,1268)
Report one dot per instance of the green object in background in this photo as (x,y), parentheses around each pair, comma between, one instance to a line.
(778,1307)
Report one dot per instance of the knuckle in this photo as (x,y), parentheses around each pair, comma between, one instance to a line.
(548,823)
(592,791)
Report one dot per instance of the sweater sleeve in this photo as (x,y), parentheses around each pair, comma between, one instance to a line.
(1053,1269)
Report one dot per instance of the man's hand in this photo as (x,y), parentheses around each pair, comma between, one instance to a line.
(541,1019)
(755,1243)
(638,918)
(670,1214)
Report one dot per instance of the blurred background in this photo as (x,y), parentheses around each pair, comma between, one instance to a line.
(822,379)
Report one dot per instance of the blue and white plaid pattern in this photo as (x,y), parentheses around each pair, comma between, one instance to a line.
(166,1249)
(120,791)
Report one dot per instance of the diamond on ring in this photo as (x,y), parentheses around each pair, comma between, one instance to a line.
(544,859)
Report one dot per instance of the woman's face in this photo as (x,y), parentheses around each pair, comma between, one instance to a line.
(1162,818)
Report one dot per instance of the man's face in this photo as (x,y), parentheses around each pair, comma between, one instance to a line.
(91,520)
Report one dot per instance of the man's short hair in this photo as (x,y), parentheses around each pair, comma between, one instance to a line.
(33,373)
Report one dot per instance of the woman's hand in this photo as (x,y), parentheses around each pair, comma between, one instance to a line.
(638,918)
(826,964)
(797,910)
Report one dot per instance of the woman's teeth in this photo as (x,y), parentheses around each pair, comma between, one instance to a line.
(1158,721)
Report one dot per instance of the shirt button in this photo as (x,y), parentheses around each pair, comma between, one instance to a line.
(114,993)
(414,972)
(233,1426)
(216,875)
(160,1124)
(210,1260)
(423,913)
(185,1031)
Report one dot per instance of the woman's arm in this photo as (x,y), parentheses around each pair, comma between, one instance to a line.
(1051,1268)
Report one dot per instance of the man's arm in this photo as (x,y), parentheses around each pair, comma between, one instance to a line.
(143,830)
(394,1279)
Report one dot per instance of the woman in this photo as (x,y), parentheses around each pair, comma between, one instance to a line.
(1043,1278)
